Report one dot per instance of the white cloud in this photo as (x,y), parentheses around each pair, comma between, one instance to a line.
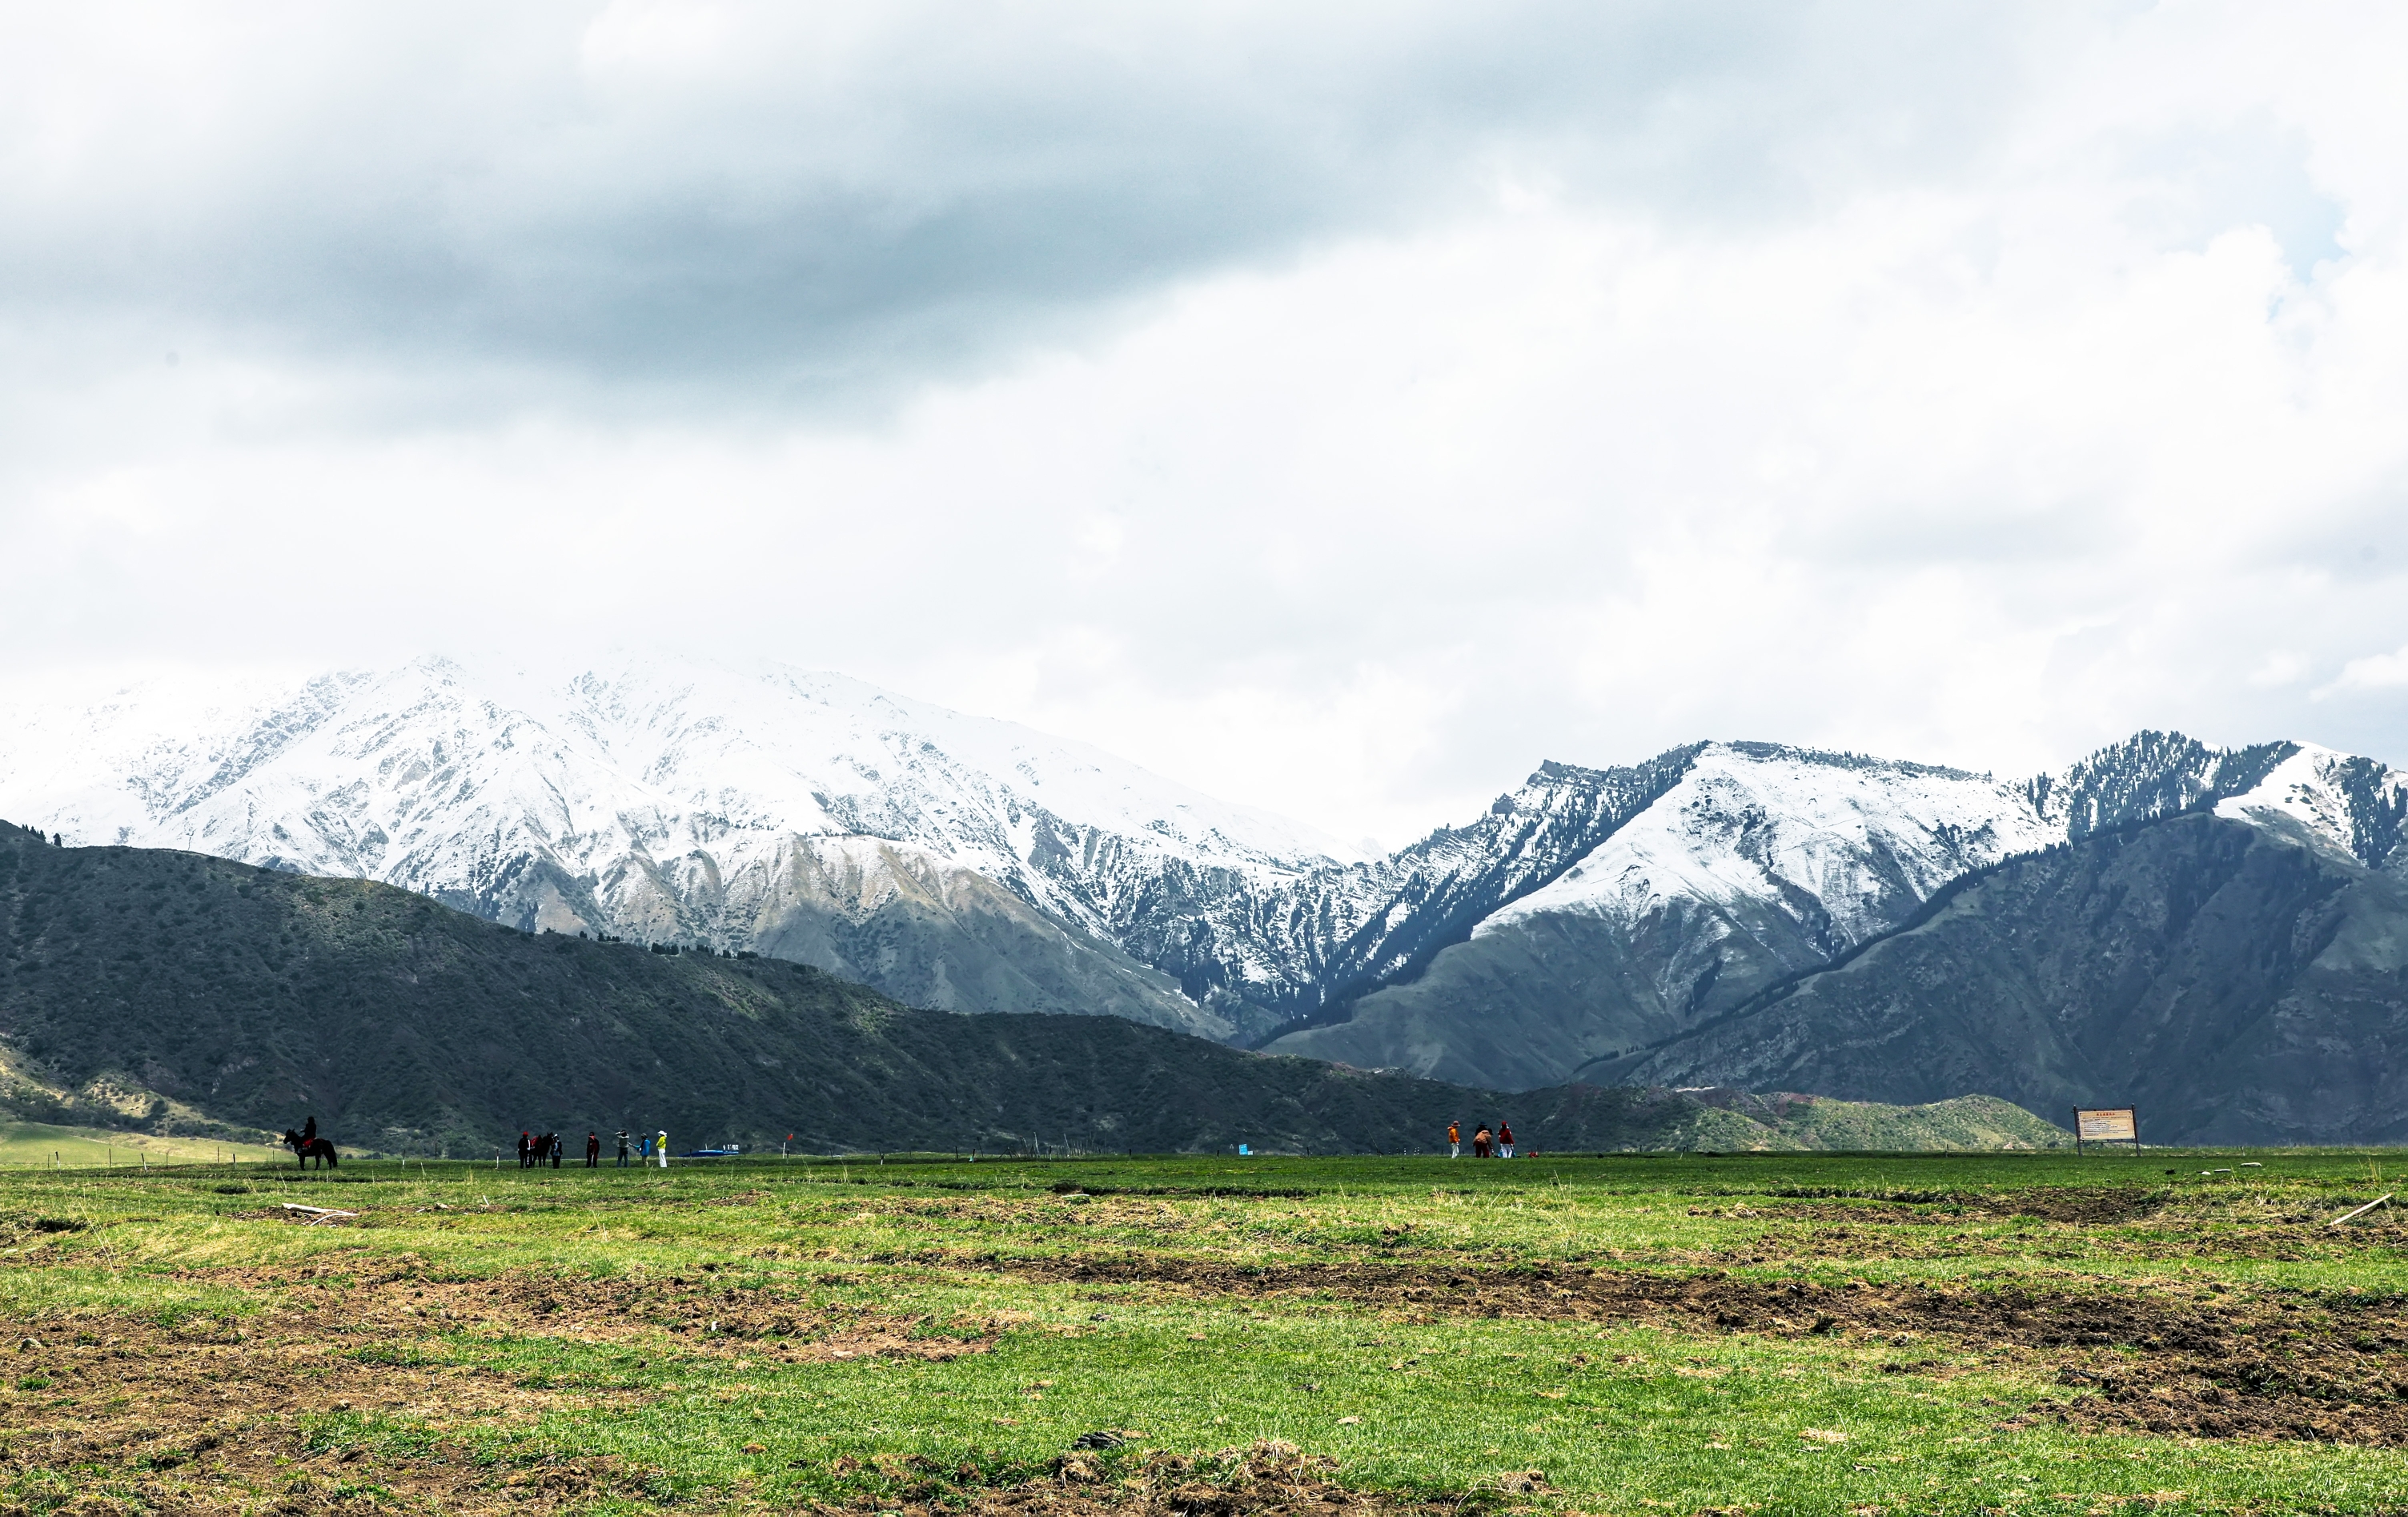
(2377,671)
(1994,415)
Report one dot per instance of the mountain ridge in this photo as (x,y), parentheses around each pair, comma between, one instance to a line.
(2238,987)
(1762,889)
(950,862)
(164,990)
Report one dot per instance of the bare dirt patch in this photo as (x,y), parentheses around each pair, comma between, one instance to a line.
(1842,1245)
(151,1417)
(2105,1204)
(2101,1220)
(2097,1204)
(1868,1212)
(2016,1316)
(2316,1395)
(2220,1365)
(700,1313)
(205,1413)
(1266,1479)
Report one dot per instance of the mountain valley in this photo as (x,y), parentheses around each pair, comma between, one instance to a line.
(172,992)
(1665,921)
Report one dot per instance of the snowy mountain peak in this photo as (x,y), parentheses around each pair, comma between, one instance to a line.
(957,861)
(2350,806)
(2345,803)
(1737,867)
(1764,822)
(451,778)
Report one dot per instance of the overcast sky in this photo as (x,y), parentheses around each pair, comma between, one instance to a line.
(1338,408)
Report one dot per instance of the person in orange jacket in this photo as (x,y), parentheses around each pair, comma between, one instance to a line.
(1454,1140)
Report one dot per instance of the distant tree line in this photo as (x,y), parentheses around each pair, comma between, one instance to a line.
(703,949)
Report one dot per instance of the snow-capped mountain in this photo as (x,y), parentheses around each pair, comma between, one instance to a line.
(949,859)
(640,753)
(958,862)
(2236,968)
(1848,841)
(1289,949)
(1752,862)
(2352,806)
(1756,862)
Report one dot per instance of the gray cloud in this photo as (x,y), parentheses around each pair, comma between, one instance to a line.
(797,201)
(1338,407)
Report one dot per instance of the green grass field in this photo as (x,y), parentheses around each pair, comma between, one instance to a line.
(1782,1332)
(37,1145)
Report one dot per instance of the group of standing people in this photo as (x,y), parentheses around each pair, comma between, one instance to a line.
(1485,1143)
(533,1149)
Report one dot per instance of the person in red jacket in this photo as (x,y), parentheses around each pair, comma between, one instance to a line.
(593,1151)
(1505,1140)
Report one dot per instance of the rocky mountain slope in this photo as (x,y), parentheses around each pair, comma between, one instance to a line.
(947,860)
(1757,862)
(1763,862)
(177,992)
(2235,985)
(950,861)
(968,865)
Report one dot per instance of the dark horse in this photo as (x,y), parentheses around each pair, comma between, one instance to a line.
(303,1150)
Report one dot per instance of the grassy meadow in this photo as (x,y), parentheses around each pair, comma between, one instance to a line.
(41,1145)
(2163,1332)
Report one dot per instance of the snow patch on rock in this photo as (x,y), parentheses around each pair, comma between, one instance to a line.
(1778,828)
(2335,801)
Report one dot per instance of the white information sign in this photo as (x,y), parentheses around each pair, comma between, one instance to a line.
(2105,1125)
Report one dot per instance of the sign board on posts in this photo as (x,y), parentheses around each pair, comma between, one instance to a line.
(2105,1125)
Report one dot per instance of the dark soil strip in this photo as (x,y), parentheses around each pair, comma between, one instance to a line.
(2246,1395)
(1266,1479)
(206,1415)
(2102,1205)
(1565,1292)
(710,1315)
(115,1414)
(2226,1367)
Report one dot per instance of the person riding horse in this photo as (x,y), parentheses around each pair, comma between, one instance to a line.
(309,1146)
